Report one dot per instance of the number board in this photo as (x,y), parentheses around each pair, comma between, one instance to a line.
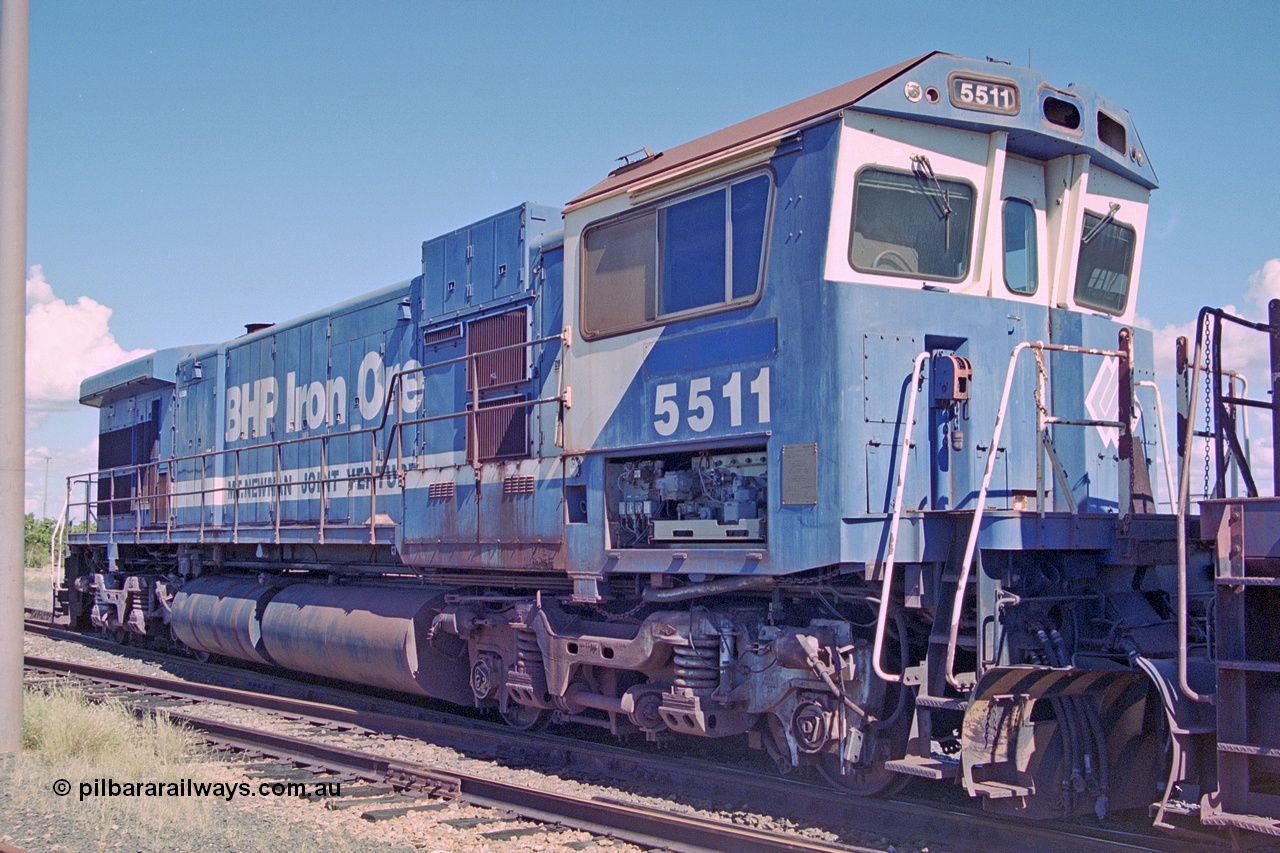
(990,96)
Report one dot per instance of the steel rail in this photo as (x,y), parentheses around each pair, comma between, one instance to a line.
(798,800)
(648,828)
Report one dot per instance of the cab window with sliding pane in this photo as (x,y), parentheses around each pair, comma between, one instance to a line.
(693,255)
(914,224)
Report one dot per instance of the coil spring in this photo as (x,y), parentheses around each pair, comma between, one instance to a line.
(528,653)
(136,609)
(698,665)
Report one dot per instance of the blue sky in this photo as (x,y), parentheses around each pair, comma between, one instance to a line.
(197,166)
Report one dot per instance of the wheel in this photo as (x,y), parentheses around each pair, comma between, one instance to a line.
(119,636)
(872,781)
(871,778)
(526,718)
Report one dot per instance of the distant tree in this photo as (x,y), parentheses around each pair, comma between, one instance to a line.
(38,536)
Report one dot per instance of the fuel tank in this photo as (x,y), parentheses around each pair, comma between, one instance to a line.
(369,635)
(221,615)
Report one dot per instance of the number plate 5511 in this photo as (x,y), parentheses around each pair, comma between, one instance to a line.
(971,93)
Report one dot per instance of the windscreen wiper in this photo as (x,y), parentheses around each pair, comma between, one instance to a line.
(923,171)
(1102,223)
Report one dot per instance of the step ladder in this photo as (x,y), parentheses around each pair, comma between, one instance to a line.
(1247,610)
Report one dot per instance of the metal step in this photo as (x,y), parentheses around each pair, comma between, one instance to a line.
(999,790)
(925,767)
(941,703)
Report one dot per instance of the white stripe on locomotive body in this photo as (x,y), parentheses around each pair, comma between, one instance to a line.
(349,481)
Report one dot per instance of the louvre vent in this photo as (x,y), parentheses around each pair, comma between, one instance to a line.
(440,491)
(440,336)
(518,485)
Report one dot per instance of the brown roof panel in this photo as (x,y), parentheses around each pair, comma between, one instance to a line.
(799,112)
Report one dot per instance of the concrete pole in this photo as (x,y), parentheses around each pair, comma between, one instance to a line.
(14,18)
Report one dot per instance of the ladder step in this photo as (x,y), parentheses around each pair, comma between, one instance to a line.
(1249,749)
(941,703)
(999,790)
(1248,581)
(925,767)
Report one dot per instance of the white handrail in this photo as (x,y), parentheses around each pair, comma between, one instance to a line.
(1164,441)
(55,551)
(886,583)
(957,605)
(1180,514)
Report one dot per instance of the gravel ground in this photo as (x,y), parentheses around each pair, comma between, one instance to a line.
(46,822)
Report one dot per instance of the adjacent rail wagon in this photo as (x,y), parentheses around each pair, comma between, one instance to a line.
(829,431)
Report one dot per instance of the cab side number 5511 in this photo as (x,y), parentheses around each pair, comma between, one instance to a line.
(700,407)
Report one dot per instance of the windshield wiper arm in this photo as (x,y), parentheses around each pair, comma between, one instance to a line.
(923,171)
(1102,223)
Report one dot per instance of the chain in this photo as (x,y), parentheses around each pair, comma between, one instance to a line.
(1042,377)
(610,616)
(1208,404)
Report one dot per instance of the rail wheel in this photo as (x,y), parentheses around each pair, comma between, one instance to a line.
(871,779)
(119,636)
(526,718)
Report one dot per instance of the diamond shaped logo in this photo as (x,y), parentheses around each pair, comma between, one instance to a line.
(1103,400)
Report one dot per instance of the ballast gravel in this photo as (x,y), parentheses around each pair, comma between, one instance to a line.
(41,821)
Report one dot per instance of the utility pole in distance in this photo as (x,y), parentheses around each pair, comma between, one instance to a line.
(14,27)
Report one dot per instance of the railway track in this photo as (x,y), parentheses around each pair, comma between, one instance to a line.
(326,708)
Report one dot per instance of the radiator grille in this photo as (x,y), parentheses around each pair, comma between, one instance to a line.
(491,333)
(502,433)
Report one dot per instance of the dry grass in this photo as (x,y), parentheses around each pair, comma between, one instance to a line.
(37,588)
(66,737)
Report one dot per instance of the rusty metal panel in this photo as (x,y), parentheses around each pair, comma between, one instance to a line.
(803,111)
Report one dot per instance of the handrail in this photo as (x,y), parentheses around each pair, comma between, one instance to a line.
(1180,514)
(957,605)
(473,367)
(378,467)
(55,551)
(886,583)
(1164,440)
(1184,486)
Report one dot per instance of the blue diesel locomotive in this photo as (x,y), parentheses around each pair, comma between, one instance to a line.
(829,431)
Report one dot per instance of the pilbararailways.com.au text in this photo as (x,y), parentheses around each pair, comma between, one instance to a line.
(190,788)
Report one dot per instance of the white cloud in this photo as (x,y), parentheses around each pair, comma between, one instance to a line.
(1243,350)
(66,342)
